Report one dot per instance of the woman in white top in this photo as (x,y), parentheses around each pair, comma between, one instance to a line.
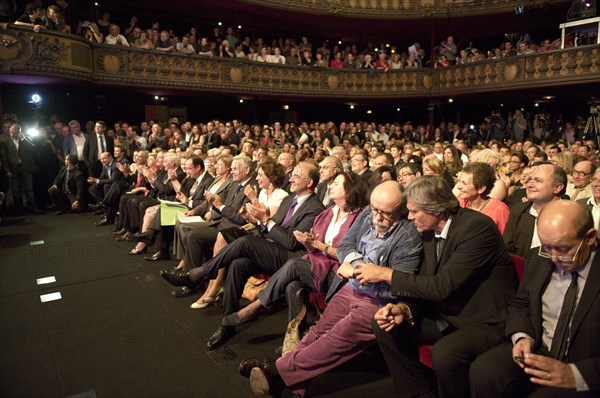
(270,177)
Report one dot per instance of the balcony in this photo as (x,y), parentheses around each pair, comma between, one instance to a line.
(69,58)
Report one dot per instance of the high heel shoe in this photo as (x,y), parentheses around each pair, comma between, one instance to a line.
(205,302)
(135,251)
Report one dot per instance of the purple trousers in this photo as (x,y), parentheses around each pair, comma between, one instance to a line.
(343,332)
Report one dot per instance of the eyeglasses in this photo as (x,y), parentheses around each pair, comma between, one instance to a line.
(386,215)
(405,175)
(595,179)
(580,173)
(563,259)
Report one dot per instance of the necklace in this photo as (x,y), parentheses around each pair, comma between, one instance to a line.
(480,207)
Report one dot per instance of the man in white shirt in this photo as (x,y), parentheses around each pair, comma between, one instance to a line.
(553,321)
(115,37)
(582,177)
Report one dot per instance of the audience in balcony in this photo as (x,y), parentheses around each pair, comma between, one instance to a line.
(115,37)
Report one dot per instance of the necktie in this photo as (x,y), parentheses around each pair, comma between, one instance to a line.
(66,186)
(439,248)
(238,189)
(560,341)
(326,197)
(102,146)
(194,188)
(290,213)
(139,180)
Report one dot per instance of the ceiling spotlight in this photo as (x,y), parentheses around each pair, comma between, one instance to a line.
(241,101)
(351,106)
(220,23)
(397,109)
(369,111)
(536,104)
(387,45)
(450,100)
(156,97)
(239,26)
(549,97)
(286,107)
(36,98)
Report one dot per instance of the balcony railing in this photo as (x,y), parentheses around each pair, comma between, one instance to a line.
(23,52)
(396,9)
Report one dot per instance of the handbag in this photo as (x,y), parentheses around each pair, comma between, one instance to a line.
(253,286)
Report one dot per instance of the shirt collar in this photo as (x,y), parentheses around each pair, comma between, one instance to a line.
(444,233)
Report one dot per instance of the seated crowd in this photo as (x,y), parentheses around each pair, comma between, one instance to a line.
(393,236)
(230,43)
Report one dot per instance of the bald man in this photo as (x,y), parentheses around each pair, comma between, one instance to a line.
(553,321)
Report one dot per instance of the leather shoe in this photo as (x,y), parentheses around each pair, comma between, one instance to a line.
(146,237)
(266,364)
(184,291)
(220,337)
(234,320)
(179,278)
(120,231)
(125,237)
(104,221)
(98,206)
(58,213)
(158,256)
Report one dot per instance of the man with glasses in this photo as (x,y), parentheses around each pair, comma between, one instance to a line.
(328,169)
(408,173)
(553,322)
(360,165)
(546,183)
(457,301)
(582,178)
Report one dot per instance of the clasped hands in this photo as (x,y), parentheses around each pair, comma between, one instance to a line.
(543,370)
(390,315)
(365,273)
(213,199)
(308,239)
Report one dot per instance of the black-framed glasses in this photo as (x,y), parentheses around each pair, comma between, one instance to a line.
(386,215)
(577,173)
(564,259)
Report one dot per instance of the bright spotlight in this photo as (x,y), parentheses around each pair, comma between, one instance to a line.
(36,99)
(33,132)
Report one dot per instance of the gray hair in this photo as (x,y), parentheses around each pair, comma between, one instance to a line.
(173,157)
(432,195)
(74,123)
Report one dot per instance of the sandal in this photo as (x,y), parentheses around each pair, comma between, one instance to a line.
(135,251)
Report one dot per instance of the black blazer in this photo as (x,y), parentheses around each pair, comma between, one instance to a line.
(222,191)
(234,201)
(525,315)
(473,280)
(518,232)
(203,185)
(302,220)
(76,182)
(366,176)
(90,153)
(9,155)
(115,174)
(322,187)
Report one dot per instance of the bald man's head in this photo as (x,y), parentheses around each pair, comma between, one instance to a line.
(566,231)
(387,205)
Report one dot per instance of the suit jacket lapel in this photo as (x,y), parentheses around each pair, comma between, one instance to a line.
(429,263)
(590,291)
(538,286)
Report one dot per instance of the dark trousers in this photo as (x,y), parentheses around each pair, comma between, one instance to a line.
(246,256)
(452,355)
(61,200)
(198,246)
(494,374)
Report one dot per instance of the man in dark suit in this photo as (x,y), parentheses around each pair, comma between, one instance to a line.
(69,186)
(546,183)
(328,169)
(288,161)
(199,242)
(251,254)
(95,145)
(201,181)
(100,186)
(457,301)
(17,154)
(593,202)
(360,165)
(553,321)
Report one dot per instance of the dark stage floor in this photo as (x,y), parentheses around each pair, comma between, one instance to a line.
(117,332)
